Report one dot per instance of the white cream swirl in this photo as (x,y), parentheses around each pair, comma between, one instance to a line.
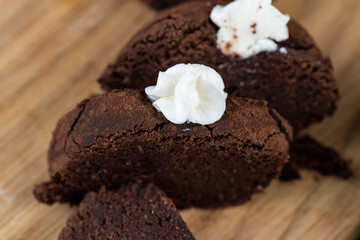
(248,27)
(189,93)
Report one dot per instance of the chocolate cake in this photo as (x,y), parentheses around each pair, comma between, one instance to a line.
(297,81)
(308,153)
(135,211)
(119,137)
(289,172)
(160,4)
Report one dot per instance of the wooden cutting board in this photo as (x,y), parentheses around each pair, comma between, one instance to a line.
(51,53)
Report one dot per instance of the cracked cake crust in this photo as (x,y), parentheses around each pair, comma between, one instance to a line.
(119,137)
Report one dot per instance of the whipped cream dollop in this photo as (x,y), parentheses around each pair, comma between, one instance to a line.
(248,27)
(189,93)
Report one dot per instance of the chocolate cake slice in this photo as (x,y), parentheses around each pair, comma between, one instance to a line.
(135,211)
(119,137)
(297,80)
(160,4)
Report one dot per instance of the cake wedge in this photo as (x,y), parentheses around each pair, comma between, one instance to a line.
(119,137)
(134,211)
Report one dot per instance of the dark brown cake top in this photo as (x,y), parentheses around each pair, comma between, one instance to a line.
(124,112)
(186,32)
(130,110)
(135,211)
(160,4)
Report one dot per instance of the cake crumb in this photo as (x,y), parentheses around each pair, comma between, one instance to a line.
(228,46)
(253,26)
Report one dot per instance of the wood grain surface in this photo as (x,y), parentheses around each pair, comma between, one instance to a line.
(51,53)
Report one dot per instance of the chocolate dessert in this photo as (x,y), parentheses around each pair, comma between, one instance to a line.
(308,153)
(135,211)
(160,4)
(297,80)
(289,172)
(119,137)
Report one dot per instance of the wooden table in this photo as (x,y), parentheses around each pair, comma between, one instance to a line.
(51,53)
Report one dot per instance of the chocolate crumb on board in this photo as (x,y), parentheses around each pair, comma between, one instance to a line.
(289,172)
(306,152)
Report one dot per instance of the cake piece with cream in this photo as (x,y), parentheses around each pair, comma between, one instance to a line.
(183,134)
(260,53)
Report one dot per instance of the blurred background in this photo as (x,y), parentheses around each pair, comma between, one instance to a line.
(51,53)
